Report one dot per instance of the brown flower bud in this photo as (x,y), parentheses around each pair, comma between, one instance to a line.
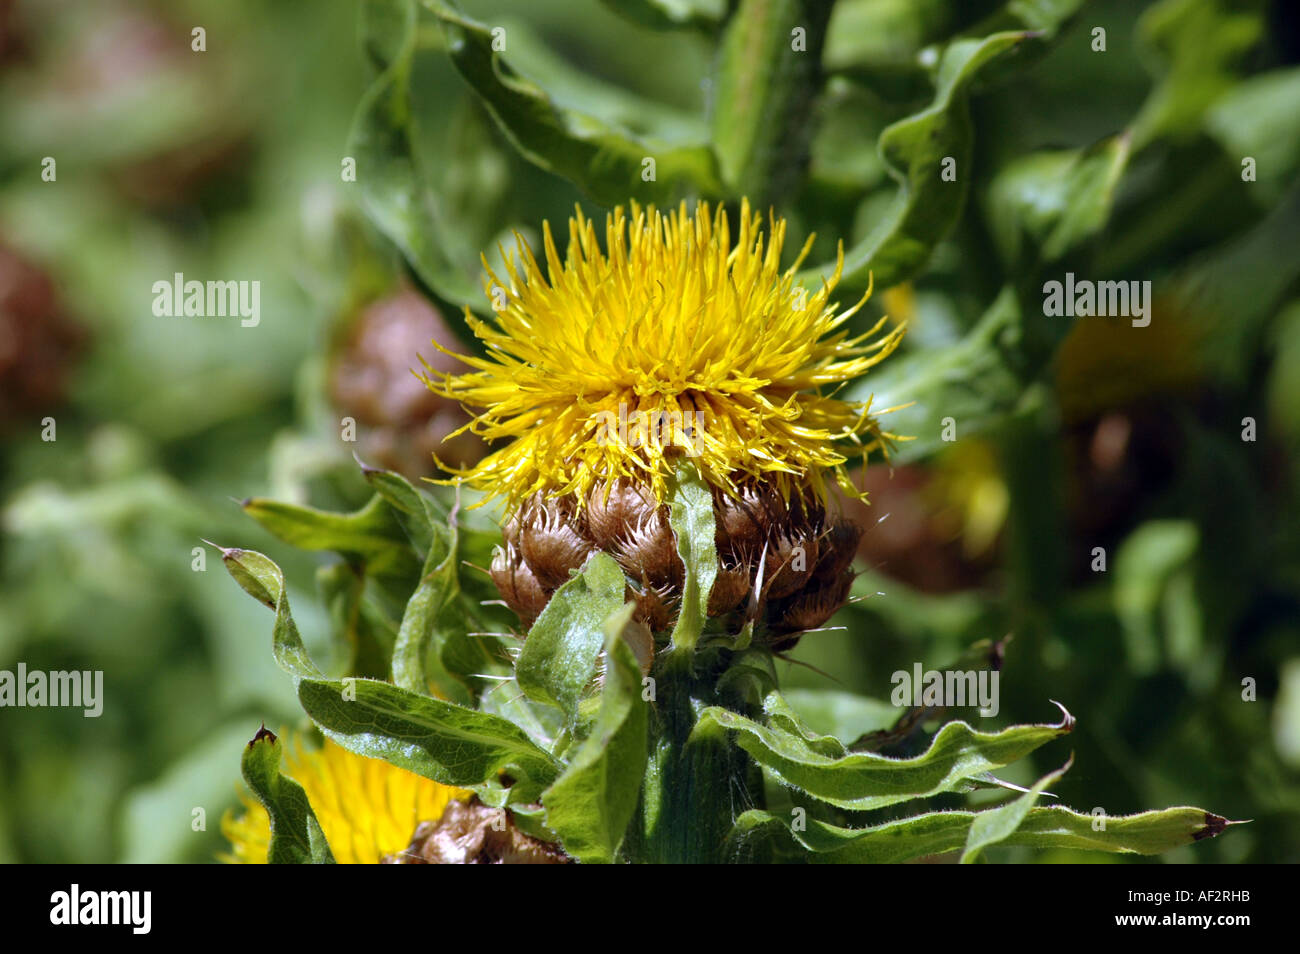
(741,524)
(804,557)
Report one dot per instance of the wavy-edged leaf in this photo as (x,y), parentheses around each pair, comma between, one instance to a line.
(395,192)
(296,835)
(437,592)
(935,833)
(448,743)
(419,516)
(820,766)
(604,162)
(1057,200)
(263,581)
(926,207)
(591,804)
(979,381)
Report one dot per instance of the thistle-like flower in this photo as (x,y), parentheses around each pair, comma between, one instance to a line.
(672,341)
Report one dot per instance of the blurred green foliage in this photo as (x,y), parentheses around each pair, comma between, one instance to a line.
(1120,164)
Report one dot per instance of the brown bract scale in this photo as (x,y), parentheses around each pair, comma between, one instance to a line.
(782,564)
(471,833)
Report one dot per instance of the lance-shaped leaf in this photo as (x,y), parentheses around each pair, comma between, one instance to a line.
(999,824)
(927,203)
(371,533)
(1058,200)
(862,781)
(559,657)
(691,517)
(448,743)
(978,382)
(606,163)
(592,803)
(394,189)
(934,833)
(439,740)
(296,835)
(263,580)
(438,590)
(416,512)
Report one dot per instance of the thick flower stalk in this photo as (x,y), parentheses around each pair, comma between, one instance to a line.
(672,341)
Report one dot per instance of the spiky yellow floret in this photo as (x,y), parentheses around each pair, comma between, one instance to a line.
(673,340)
(367,808)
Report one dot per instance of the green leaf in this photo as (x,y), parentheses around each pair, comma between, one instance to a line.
(415,511)
(926,207)
(559,657)
(1258,118)
(1199,46)
(1057,199)
(764,88)
(934,833)
(591,804)
(395,191)
(364,637)
(999,824)
(1147,566)
(369,532)
(263,580)
(845,715)
(883,35)
(296,836)
(978,382)
(691,517)
(862,781)
(438,590)
(439,740)
(603,161)
(670,14)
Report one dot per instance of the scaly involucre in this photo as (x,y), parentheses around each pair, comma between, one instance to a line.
(674,340)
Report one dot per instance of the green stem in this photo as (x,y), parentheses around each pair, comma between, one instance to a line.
(696,783)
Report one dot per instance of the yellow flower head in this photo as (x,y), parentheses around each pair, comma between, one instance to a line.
(673,340)
(366,807)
